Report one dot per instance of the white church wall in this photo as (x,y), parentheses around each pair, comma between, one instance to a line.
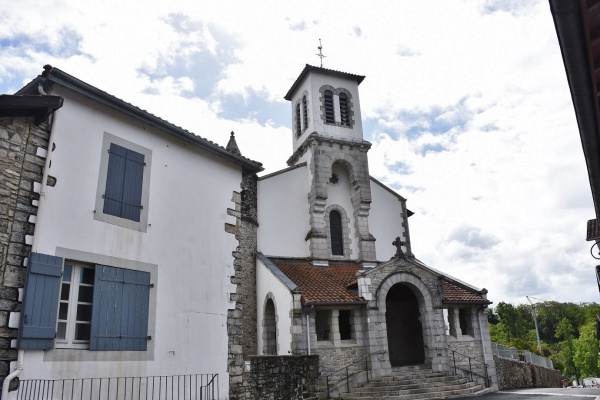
(340,194)
(283,214)
(184,247)
(385,220)
(269,286)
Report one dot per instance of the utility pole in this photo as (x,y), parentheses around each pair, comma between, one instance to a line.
(537,332)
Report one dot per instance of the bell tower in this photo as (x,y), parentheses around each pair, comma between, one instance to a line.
(328,137)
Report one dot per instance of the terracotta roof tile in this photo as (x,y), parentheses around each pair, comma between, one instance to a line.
(321,284)
(456,294)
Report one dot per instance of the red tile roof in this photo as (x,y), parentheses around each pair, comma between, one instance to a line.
(322,284)
(455,294)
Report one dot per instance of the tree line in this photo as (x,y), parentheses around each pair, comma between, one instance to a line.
(568,333)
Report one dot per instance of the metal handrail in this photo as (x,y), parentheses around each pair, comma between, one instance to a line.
(486,376)
(366,358)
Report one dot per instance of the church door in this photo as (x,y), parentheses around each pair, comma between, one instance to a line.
(270,329)
(404,330)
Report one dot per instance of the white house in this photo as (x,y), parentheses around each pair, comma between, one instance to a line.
(130,267)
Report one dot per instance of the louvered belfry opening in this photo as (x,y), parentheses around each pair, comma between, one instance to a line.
(328,101)
(298,121)
(344,112)
(404,330)
(335,227)
(305,112)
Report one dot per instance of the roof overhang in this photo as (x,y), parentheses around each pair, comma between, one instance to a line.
(56,76)
(322,71)
(38,106)
(577,26)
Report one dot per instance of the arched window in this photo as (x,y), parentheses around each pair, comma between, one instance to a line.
(305,112)
(329,114)
(270,329)
(298,122)
(335,229)
(344,112)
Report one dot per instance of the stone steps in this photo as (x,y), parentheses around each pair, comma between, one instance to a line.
(414,382)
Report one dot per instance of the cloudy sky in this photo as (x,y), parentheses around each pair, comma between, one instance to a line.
(466,104)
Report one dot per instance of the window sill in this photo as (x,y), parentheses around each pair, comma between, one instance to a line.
(463,338)
(75,355)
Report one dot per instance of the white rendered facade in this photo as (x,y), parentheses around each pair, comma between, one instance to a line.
(183,245)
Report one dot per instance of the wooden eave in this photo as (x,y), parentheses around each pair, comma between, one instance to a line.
(38,106)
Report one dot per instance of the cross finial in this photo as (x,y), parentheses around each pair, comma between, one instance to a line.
(399,243)
(321,55)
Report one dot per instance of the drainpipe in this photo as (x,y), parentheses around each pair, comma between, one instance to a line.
(308,331)
(13,375)
(481,334)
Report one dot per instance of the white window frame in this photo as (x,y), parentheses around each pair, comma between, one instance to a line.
(73,301)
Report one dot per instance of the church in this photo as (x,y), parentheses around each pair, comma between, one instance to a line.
(139,259)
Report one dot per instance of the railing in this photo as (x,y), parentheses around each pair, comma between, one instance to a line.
(345,369)
(184,387)
(521,355)
(470,371)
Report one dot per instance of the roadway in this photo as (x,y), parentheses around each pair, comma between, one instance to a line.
(538,394)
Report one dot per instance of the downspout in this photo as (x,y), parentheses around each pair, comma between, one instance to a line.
(481,334)
(13,374)
(308,331)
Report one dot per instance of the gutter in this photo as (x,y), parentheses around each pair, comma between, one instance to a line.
(338,303)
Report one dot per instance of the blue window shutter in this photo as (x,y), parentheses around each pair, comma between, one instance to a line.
(123,192)
(40,302)
(120,310)
(132,190)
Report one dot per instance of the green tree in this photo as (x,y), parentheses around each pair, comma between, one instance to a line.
(586,350)
(565,331)
(513,321)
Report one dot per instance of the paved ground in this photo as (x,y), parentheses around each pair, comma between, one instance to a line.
(539,394)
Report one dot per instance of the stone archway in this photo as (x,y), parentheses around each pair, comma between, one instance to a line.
(404,328)
(270,328)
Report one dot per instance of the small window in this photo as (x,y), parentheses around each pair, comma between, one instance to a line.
(464,319)
(344,111)
(322,324)
(83,306)
(335,228)
(345,324)
(329,113)
(123,192)
(298,121)
(305,112)
(123,184)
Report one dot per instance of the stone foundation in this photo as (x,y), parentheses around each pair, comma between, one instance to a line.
(513,374)
(280,377)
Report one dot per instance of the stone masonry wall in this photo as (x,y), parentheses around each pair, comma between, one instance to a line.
(281,377)
(241,321)
(513,374)
(23,149)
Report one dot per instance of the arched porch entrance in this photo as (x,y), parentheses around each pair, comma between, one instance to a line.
(404,329)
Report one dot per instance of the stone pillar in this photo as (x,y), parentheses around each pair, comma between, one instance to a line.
(241,320)
(23,148)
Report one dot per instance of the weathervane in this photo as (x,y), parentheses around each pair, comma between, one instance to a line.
(321,52)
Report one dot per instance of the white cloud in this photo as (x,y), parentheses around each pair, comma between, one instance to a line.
(492,167)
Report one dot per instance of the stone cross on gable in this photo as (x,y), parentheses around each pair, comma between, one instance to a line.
(399,243)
